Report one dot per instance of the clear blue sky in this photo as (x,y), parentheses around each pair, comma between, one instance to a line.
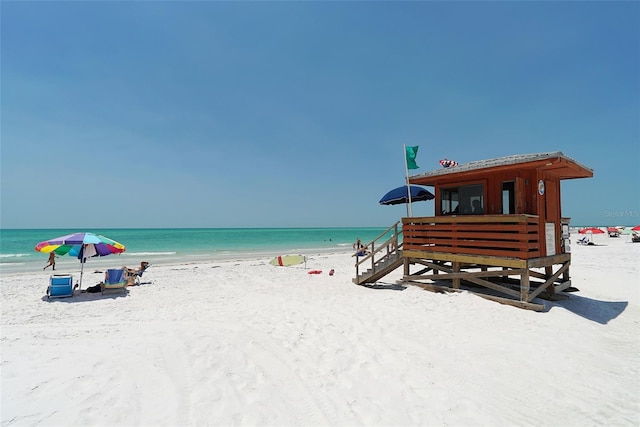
(286,114)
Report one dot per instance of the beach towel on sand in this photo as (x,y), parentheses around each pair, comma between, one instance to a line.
(93,289)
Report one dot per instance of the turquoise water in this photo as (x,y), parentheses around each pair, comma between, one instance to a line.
(173,245)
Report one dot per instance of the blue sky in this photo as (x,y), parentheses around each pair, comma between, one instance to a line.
(294,114)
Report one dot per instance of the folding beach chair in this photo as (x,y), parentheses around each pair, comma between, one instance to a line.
(115,279)
(137,274)
(60,286)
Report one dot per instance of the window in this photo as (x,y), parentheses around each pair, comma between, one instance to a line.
(508,198)
(449,201)
(462,200)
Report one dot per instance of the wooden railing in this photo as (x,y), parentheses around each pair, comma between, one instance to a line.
(512,236)
(378,249)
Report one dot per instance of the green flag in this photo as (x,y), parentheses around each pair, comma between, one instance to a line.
(412,152)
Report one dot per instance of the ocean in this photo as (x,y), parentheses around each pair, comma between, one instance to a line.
(179,245)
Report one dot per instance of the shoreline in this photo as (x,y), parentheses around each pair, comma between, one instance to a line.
(72,266)
(172,245)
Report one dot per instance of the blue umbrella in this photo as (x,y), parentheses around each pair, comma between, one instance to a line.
(400,195)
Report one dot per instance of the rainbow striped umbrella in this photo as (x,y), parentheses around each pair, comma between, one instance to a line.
(82,246)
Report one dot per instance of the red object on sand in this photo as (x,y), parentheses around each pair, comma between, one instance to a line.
(331,272)
(315,271)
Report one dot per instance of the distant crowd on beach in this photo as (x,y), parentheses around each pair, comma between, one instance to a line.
(618,231)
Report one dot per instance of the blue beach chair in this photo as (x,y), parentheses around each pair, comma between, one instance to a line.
(115,279)
(60,286)
(583,241)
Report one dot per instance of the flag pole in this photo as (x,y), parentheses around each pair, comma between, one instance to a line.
(406,168)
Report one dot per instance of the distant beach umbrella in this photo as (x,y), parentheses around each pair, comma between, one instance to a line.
(81,246)
(636,228)
(591,230)
(613,231)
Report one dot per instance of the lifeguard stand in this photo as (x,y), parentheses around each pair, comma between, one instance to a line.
(498,230)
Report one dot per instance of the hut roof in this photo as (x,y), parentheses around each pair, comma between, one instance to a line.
(555,163)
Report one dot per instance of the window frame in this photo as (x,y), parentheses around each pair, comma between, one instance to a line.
(511,194)
(453,195)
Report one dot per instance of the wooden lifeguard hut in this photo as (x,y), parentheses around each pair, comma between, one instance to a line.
(498,231)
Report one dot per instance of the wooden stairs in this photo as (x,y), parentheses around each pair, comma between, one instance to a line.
(380,269)
(381,256)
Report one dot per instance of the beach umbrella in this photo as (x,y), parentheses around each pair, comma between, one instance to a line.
(636,228)
(591,230)
(400,195)
(81,246)
(613,231)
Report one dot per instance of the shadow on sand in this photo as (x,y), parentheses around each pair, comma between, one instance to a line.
(595,310)
(388,286)
(591,309)
(86,296)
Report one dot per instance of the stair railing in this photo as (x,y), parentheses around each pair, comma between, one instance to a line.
(376,251)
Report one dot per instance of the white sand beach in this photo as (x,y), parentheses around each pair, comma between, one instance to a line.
(246,343)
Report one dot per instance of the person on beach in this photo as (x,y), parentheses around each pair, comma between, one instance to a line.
(362,250)
(143,267)
(132,273)
(52,261)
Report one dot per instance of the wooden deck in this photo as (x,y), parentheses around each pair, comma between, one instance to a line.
(494,256)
